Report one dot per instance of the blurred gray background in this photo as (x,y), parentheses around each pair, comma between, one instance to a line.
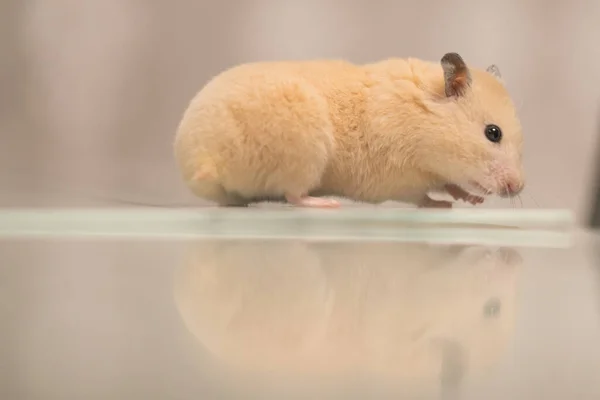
(92,90)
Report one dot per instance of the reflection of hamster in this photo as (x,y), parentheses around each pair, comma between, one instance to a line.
(326,308)
(391,130)
(226,293)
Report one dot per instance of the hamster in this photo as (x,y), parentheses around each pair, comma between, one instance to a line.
(393,130)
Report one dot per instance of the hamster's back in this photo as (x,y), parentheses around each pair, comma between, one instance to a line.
(263,130)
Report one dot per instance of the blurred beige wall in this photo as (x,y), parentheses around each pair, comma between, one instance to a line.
(92,90)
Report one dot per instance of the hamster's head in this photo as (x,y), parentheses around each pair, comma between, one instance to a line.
(476,142)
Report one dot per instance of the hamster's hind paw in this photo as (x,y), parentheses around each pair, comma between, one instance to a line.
(312,202)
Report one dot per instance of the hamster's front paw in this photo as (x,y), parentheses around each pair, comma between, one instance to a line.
(428,202)
(459,194)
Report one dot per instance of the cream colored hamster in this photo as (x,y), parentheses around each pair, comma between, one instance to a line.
(394,130)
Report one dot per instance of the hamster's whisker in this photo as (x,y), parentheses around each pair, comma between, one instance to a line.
(520,200)
(531,197)
(510,197)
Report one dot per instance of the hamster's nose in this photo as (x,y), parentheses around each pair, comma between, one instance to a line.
(512,188)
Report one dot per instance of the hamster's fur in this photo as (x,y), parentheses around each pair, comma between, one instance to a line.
(391,130)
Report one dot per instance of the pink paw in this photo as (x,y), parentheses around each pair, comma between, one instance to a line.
(312,202)
(459,194)
(430,203)
(474,200)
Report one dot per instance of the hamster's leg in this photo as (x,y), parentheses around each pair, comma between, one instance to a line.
(428,202)
(210,190)
(291,181)
(280,144)
(459,194)
(304,176)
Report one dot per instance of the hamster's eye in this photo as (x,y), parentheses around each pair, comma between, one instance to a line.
(493,133)
(491,308)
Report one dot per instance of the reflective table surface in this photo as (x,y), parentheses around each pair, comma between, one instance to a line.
(290,304)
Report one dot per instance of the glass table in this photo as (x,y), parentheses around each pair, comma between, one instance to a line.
(356,303)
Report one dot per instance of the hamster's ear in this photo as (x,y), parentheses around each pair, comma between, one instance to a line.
(456,74)
(495,71)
